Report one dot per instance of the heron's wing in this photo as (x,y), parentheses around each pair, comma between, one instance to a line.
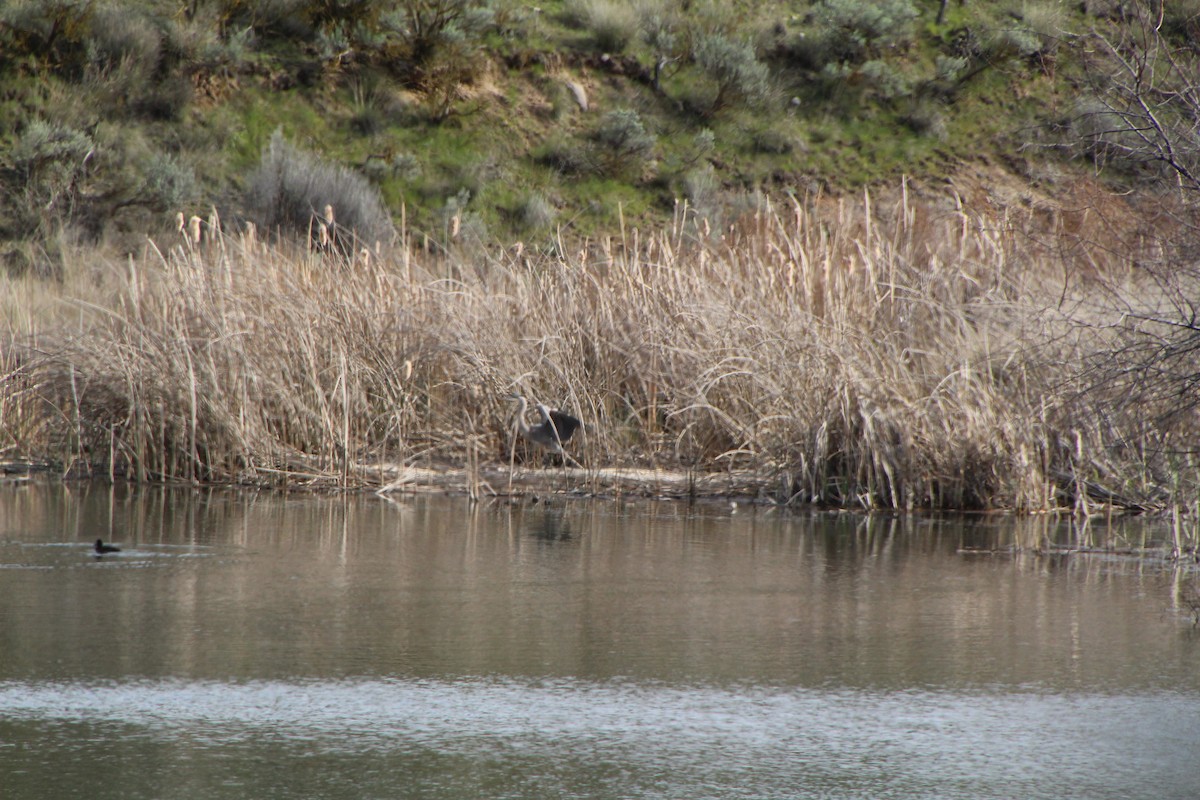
(565,424)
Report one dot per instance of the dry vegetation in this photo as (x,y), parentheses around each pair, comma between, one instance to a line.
(861,354)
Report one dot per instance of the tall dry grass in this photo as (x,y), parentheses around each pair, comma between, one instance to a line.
(898,356)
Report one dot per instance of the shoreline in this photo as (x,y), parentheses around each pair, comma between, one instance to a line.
(523,486)
(493,480)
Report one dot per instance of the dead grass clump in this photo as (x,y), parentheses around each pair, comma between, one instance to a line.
(923,362)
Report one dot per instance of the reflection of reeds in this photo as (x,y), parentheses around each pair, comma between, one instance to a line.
(914,363)
(1189,598)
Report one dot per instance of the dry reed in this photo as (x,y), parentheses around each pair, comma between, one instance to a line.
(897,357)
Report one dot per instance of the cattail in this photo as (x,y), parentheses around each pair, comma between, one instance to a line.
(180,223)
(323,235)
(455,224)
(194,228)
(329,215)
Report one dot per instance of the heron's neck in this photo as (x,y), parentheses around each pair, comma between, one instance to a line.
(522,407)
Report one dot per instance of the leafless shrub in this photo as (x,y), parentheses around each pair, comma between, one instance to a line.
(1145,104)
(1143,118)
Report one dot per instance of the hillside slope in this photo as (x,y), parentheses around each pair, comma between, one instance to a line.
(472,122)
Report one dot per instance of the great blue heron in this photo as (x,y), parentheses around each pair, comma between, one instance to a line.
(101,548)
(555,429)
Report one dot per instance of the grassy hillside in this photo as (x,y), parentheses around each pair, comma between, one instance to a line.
(504,121)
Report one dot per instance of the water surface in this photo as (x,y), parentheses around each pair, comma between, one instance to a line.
(247,645)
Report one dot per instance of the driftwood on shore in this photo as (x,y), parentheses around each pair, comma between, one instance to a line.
(613,481)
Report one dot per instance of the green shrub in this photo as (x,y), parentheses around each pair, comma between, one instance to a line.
(457,61)
(739,75)
(54,32)
(1047,21)
(50,158)
(406,166)
(622,142)
(70,36)
(700,187)
(168,184)
(267,16)
(370,105)
(291,188)
(1035,34)
(48,163)
(117,33)
(875,79)
(612,23)
(950,68)
(663,30)
(1181,21)
(853,30)
(565,155)
(619,146)
(164,99)
(702,146)
(346,13)
(205,49)
(332,43)
(772,141)
(536,213)
(924,116)
(885,81)
(1011,42)
(425,26)
(126,68)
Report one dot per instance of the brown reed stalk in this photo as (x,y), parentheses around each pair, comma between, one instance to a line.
(871,354)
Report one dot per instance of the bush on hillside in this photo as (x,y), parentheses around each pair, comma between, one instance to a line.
(612,23)
(623,144)
(664,29)
(855,30)
(565,155)
(1181,22)
(168,184)
(118,33)
(290,189)
(49,162)
(70,36)
(52,32)
(739,75)
(536,212)
(425,26)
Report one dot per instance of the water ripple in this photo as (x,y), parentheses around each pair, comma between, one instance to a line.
(894,744)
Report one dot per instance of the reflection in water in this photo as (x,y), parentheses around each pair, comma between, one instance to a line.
(254,645)
(551,525)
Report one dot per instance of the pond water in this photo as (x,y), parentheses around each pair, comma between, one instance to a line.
(248,645)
